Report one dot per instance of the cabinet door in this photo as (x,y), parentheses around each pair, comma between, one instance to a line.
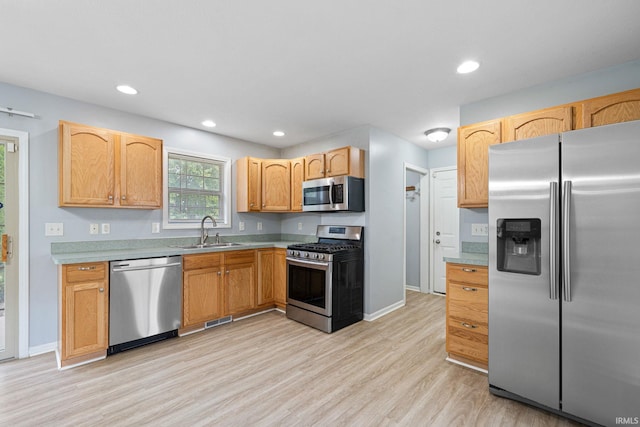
(297,177)
(85,318)
(338,162)
(202,295)
(140,172)
(616,108)
(538,123)
(239,281)
(240,287)
(266,260)
(276,185)
(473,162)
(314,166)
(280,277)
(86,166)
(254,184)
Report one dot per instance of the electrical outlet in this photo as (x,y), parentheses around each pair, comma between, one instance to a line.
(299,226)
(241,226)
(259,226)
(155,227)
(106,228)
(479,229)
(53,229)
(93,229)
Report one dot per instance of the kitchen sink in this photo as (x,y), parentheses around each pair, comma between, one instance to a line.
(210,245)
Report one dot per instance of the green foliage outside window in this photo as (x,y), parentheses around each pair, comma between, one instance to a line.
(195,188)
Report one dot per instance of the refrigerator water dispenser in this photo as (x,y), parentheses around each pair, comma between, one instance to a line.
(519,245)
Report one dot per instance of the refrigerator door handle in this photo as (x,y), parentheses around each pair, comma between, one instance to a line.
(566,250)
(553,240)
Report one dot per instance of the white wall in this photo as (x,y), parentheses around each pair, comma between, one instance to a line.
(125,223)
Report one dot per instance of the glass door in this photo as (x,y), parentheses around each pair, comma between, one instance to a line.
(8,258)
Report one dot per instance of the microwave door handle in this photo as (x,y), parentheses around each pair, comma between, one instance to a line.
(331,186)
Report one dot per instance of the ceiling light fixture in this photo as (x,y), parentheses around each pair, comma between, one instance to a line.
(468,67)
(278,133)
(209,123)
(127,89)
(437,134)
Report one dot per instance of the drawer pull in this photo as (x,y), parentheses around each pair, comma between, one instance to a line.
(468,325)
(468,289)
(101,289)
(93,267)
(469,270)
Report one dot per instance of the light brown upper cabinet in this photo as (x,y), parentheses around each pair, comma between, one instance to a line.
(538,123)
(297,176)
(105,168)
(276,185)
(615,108)
(341,161)
(473,162)
(248,184)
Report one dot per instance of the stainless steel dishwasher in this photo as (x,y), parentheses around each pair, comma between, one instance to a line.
(145,301)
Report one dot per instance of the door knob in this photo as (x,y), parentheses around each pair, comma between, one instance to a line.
(437,233)
(437,242)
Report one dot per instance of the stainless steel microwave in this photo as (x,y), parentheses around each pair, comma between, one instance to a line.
(336,194)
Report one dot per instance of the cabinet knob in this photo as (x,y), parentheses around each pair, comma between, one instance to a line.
(251,204)
(219,273)
(93,267)
(468,325)
(468,289)
(124,197)
(110,197)
(227,271)
(263,205)
(101,289)
(469,270)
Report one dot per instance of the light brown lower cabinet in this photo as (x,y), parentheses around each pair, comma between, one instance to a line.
(84,312)
(467,314)
(280,278)
(201,288)
(239,288)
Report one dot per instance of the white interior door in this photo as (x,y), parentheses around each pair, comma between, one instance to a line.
(445,216)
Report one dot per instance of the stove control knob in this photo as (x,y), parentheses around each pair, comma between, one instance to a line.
(306,254)
(314,256)
(296,253)
(321,256)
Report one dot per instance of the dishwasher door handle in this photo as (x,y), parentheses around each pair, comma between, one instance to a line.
(126,267)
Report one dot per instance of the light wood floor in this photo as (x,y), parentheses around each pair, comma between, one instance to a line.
(268,370)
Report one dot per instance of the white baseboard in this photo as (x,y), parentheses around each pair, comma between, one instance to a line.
(412,288)
(383,312)
(43,348)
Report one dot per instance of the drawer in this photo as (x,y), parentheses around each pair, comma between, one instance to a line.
(240,257)
(86,272)
(475,274)
(467,342)
(193,262)
(468,302)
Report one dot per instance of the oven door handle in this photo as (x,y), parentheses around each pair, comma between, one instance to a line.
(318,265)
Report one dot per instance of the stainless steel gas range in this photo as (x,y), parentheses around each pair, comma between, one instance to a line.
(325,280)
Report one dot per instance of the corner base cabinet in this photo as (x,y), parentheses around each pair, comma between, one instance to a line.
(84,311)
(467,314)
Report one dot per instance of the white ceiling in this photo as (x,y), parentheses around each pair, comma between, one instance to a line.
(309,68)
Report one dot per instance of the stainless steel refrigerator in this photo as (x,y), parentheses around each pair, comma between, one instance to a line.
(564,273)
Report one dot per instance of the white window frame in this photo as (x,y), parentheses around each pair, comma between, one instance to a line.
(225,209)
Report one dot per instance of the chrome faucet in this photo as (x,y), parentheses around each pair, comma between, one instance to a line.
(203,233)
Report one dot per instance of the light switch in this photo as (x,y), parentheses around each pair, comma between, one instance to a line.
(106,228)
(479,229)
(155,227)
(241,226)
(259,226)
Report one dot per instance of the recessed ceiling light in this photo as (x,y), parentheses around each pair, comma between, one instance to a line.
(127,89)
(468,67)
(278,133)
(209,123)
